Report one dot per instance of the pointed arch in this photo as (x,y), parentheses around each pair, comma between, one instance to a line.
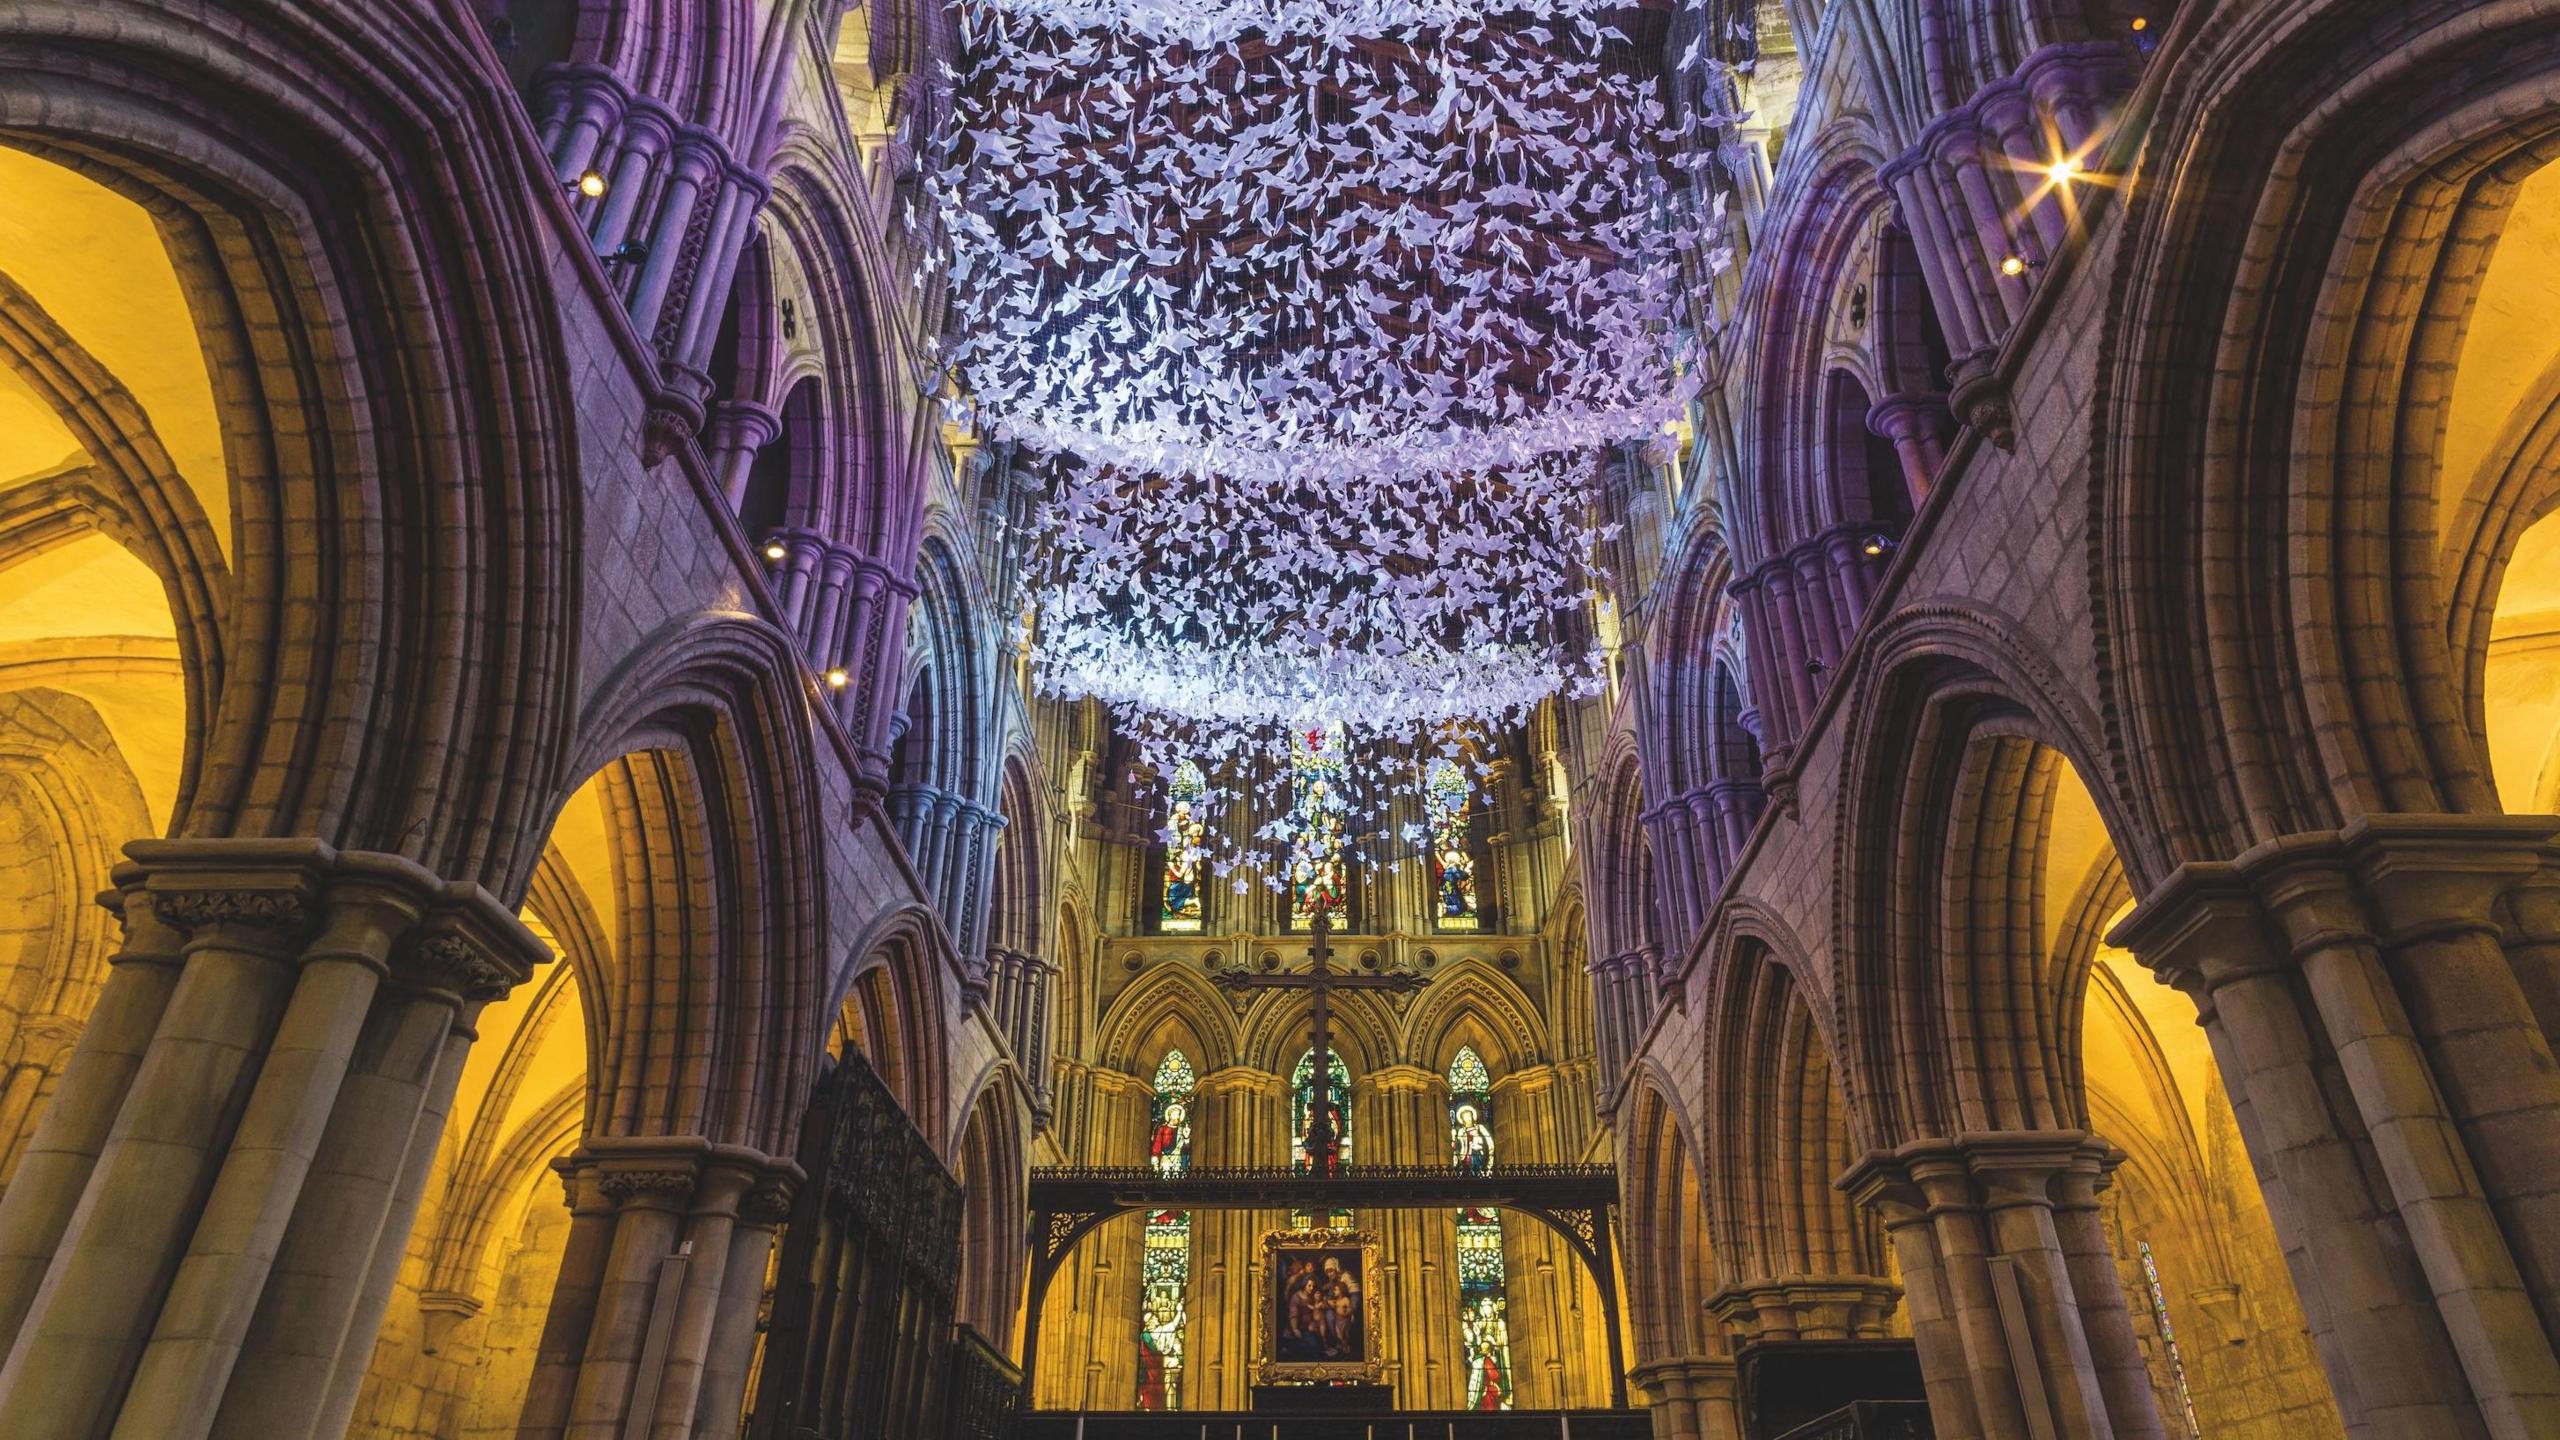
(1942,1008)
(1170,1006)
(713,789)
(1778,1128)
(890,1003)
(366,274)
(1472,1002)
(995,1249)
(1666,1217)
(1274,1033)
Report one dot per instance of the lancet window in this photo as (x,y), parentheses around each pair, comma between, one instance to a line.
(1164,1268)
(1484,1322)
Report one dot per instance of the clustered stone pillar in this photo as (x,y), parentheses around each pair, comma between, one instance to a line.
(654,1312)
(1559,1339)
(952,842)
(1696,838)
(1623,997)
(2014,1302)
(1406,1122)
(2379,1003)
(1692,1397)
(1247,1113)
(1087,1355)
(1973,194)
(849,611)
(1018,1003)
(1809,1307)
(202,1236)
(1800,611)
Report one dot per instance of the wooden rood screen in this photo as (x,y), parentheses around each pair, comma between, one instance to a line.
(861,1343)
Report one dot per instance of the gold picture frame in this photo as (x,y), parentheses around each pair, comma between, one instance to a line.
(1320,1320)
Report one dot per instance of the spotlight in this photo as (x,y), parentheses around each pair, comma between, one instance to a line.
(838,678)
(628,252)
(589,183)
(2063,171)
(2140,24)
(1877,545)
(773,550)
(2014,266)
(1815,666)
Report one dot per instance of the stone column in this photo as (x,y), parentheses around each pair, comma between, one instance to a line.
(1559,1338)
(594,105)
(1910,423)
(1809,1307)
(646,129)
(697,158)
(303,1360)
(618,1350)
(36,1054)
(573,1302)
(253,1126)
(738,430)
(54,1171)
(2021,1334)
(1248,1114)
(1692,1397)
(730,1352)
(2396,1088)
(1089,1319)
(1405,1121)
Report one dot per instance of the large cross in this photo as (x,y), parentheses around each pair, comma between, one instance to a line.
(1319,982)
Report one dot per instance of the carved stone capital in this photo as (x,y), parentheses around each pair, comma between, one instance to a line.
(277,911)
(769,1203)
(646,1187)
(454,964)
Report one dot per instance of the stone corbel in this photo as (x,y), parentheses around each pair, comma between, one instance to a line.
(1981,400)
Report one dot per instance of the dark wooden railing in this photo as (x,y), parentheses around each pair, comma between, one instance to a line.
(985,1398)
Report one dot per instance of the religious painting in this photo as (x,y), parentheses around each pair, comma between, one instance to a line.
(1186,850)
(1452,865)
(1318,805)
(1319,1311)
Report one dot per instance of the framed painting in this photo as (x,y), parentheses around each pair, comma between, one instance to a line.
(1319,1306)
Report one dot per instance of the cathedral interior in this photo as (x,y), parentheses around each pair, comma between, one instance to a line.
(1041,719)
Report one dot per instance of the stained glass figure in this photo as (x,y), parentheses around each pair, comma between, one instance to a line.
(1186,849)
(1302,1088)
(1169,1142)
(1164,1262)
(1318,808)
(1452,864)
(2168,1341)
(1484,1325)
(1470,1112)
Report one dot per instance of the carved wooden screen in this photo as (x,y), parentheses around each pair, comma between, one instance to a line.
(861,1336)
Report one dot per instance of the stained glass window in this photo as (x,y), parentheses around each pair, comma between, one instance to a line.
(1302,1091)
(1164,1266)
(2168,1340)
(1317,811)
(1484,1322)
(1169,1141)
(1186,849)
(1452,864)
